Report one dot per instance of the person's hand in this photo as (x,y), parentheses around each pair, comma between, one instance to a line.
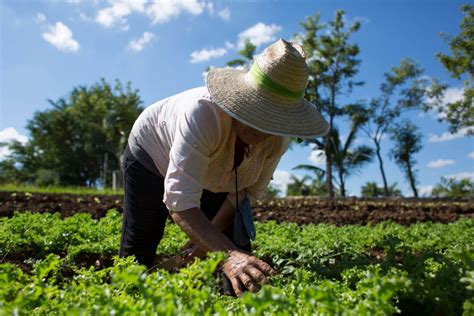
(192,252)
(246,271)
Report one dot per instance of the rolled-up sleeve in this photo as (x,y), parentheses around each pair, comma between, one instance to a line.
(256,191)
(196,136)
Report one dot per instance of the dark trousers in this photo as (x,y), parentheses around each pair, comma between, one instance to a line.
(145,214)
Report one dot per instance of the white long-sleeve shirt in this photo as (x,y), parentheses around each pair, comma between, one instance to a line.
(191,142)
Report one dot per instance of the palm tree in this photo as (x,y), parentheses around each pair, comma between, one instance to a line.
(318,185)
(298,186)
(371,189)
(346,159)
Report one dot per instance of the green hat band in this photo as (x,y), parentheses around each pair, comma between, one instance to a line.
(266,82)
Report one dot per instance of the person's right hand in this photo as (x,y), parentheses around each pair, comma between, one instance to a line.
(247,271)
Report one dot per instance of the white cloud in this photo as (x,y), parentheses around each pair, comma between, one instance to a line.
(229,45)
(471,155)
(451,95)
(207,54)
(318,157)
(360,19)
(61,37)
(162,11)
(138,44)
(225,14)
(281,178)
(84,17)
(440,163)
(8,135)
(461,175)
(116,14)
(71,1)
(446,136)
(158,11)
(210,8)
(425,190)
(259,34)
(40,18)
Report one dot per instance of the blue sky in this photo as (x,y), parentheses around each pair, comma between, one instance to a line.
(163,47)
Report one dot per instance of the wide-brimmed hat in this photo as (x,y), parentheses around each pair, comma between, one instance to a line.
(269,97)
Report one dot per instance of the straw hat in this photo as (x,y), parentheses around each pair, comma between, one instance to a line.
(269,97)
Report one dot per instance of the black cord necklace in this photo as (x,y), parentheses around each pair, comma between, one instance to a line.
(241,149)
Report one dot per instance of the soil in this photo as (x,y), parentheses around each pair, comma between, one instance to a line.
(304,210)
(301,210)
(66,204)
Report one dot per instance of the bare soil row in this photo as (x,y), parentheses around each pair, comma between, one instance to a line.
(301,210)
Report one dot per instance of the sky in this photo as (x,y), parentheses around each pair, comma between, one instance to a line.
(163,47)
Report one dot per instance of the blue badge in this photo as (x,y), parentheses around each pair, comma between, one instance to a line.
(244,228)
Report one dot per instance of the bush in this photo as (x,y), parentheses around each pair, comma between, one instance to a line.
(45,177)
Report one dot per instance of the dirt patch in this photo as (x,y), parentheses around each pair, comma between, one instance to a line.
(65,204)
(306,210)
(301,210)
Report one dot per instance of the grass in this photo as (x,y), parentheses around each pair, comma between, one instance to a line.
(58,189)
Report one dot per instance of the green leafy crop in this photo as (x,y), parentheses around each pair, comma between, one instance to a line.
(69,267)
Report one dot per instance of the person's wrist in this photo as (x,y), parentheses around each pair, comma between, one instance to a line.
(232,252)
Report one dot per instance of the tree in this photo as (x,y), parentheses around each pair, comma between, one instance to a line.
(247,53)
(298,186)
(371,189)
(9,174)
(346,158)
(452,188)
(332,63)
(460,114)
(407,142)
(380,115)
(271,192)
(82,136)
(317,187)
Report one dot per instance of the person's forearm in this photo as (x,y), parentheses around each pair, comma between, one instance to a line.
(225,216)
(201,232)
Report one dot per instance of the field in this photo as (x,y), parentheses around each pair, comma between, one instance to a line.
(343,257)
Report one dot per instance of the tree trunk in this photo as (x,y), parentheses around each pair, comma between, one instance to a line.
(327,149)
(382,171)
(329,185)
(411,178)
(106,169)
(343,185)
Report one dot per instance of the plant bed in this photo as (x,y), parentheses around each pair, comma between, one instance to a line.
(68,267)
(301,210)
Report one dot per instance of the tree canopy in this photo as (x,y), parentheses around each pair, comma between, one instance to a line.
(332,62)
(460,64)
(80,138)
(407,141)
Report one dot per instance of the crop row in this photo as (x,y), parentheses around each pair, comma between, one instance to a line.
(350,270)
